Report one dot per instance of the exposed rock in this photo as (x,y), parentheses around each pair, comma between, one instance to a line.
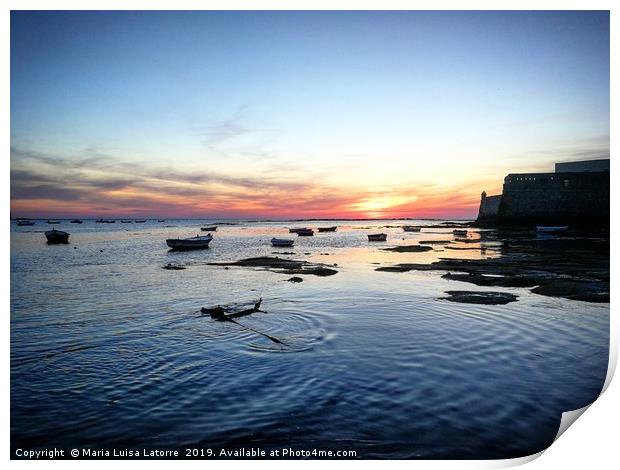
(586,291)
(409,248)
(450,225)
(467,240)
(486,298)
(498,281)
(174,267)
(281,265)
(315,270)
(263,262)
(404,267)
(575,268)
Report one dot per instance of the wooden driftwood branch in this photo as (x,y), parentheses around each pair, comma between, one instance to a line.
(219,313)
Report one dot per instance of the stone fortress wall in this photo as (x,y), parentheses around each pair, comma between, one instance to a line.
(577,193)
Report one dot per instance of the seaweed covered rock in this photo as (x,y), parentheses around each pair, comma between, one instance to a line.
(281,265)
(409,248)
(473,297)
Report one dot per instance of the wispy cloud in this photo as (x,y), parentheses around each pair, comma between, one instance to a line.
(113,185)
(216,132)
(98,184)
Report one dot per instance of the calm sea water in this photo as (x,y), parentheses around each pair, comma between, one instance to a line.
(108,350)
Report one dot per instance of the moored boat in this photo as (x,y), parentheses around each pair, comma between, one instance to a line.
(212,228)
(25,222)
(328,229)
(105,221)
(459,232)
(411,228)
(282,242)
(377,237)
(140,221)
(192,243)
(53,222)
(56,236)
(305,232)
(295,230)
(75,221)
(124,221)
(160,220)
(547,228)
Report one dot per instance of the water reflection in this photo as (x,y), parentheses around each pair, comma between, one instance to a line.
(109,349)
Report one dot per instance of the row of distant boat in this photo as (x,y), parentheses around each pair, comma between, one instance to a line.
(308,232)
(27,222)
(199,242)
(202,241)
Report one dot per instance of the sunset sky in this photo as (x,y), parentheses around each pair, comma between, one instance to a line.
(297,114)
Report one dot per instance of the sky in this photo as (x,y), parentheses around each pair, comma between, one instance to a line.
(297,114)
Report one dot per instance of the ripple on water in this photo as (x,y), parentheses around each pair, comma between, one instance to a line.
(115,352)
(287,327)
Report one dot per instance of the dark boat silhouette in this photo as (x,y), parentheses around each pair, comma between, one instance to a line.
(377,237)
(282,242)
(55,237)
(192,243)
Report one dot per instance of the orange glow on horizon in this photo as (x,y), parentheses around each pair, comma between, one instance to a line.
(150,191)
(131,202)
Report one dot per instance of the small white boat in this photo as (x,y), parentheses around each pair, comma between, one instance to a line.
(459,232)
(55,237)
(282,242)
(305,232)
(547,228)
(192,243)
(377,237)
(25,222)
(212,228)
(411,228)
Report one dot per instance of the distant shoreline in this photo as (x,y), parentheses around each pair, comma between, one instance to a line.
(254,220)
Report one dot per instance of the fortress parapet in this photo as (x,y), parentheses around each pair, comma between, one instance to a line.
(578,194)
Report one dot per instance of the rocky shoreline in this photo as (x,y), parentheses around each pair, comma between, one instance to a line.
(574,266)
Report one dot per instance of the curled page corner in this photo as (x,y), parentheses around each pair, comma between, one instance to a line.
(568,418)
(517,461)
